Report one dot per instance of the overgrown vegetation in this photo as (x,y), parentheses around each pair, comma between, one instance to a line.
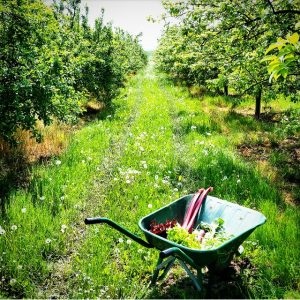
(157,145)
(220,46)
(52,62)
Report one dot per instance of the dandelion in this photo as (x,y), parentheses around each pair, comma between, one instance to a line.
(205,152)
(2,231)
(48,241)
(14,227)
(62,198)
(83,161)
(129,242)
(193,127)
(145,166)
(12,281)
(42,198)
(23,210)
(128,181)
(58,162)
(19,267)
(98,168)
(140,251)
(156,185)
(208,133)
(176,190)
(238,181)
(63,228)
(156,177)
(120,240)
(149,205)
(115,179)
(224,178)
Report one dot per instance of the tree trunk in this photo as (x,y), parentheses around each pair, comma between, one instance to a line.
(257,104)
(225,89)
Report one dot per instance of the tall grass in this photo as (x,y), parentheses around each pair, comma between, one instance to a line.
(158,145)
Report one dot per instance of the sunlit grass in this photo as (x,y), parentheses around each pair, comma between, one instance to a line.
(159,144)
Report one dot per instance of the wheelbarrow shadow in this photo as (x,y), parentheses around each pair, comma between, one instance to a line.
(227,284)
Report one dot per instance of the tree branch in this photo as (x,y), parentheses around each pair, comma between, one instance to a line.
(282,11)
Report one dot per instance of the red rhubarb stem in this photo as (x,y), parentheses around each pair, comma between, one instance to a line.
(197,206)
(191,208)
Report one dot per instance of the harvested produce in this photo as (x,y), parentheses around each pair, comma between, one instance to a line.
(194,207)
(205,236)
(161,228)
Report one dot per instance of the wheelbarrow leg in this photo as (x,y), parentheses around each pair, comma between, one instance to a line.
(167,264)
(197,280)
(172,254)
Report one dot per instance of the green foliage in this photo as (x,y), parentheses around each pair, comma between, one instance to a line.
(52,62)
(286,62)
(221,44)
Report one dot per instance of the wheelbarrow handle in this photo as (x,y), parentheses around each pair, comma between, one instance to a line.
(178,253)
(99,220)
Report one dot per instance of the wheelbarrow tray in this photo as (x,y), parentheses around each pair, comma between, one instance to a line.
(238,221)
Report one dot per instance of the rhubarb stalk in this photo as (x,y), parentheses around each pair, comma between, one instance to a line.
(197,206)
(191,208)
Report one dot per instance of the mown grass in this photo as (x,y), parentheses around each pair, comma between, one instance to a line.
(160,144)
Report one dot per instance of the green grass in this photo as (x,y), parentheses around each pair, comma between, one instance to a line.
(157,145)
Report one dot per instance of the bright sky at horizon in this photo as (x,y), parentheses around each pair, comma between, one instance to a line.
(130,15)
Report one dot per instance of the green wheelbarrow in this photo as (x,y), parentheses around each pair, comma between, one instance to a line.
(238,221)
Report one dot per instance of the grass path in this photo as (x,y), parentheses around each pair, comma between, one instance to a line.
(157,145)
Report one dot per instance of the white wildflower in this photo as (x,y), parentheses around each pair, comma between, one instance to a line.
(156,177)
(12,281)
(89,158)
(225,178)
(129,242)
(205,152)
(62,197)
(115,178)
(58,162)
(145,166)
(128,181)
(140,251)
(208,133)
(23,210)
(193,127)
(83,161)
(19,267)
(176,190)
(48,241)
(149,205)
(238,181)
(63,228)
(2,231)
(42,198)
(120,240)
(14,227)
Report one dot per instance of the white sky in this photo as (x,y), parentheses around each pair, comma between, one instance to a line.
(130,15)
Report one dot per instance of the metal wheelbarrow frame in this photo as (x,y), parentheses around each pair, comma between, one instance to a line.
(238,221)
